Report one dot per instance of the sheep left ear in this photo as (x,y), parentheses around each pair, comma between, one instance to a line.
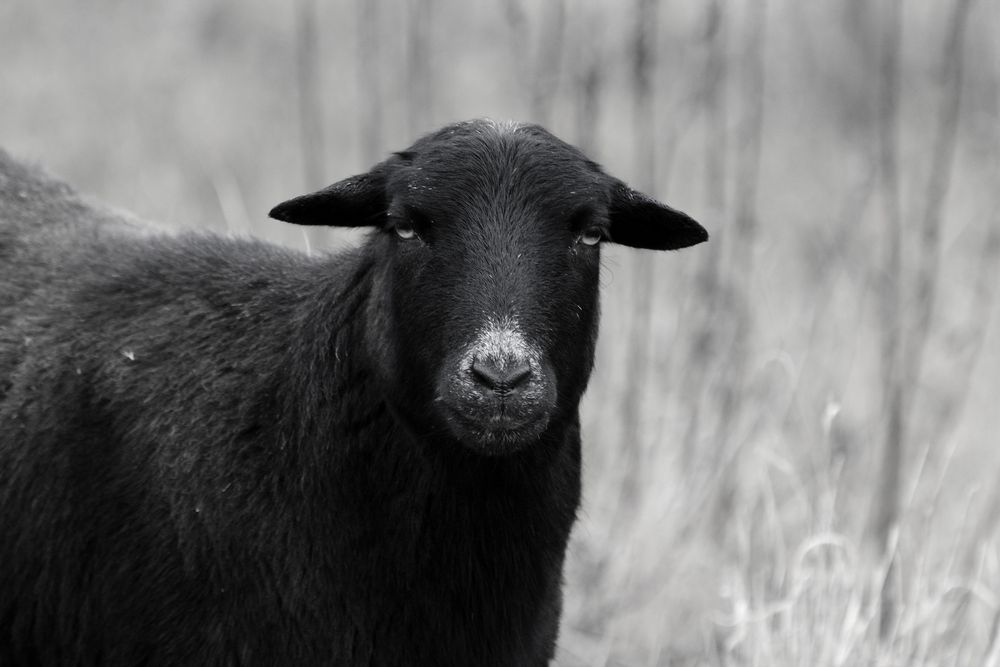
(357,201)
(640,221)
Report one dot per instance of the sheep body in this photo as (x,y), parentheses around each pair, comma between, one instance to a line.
(201,461)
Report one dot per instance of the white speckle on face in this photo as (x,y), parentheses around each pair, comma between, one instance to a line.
(498,420)
(501,340)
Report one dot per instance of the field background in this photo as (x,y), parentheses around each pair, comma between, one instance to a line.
(791,437)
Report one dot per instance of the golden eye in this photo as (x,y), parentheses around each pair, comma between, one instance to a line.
(592,236)
(405,230)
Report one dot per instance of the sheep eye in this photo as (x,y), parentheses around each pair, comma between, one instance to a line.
(405,231)
(591,236)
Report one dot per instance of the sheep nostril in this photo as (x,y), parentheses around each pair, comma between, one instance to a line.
(518,375)
(503,378)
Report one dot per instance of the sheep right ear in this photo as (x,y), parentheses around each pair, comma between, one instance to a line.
(357,201)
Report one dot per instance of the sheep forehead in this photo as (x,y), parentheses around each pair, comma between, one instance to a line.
(476,165)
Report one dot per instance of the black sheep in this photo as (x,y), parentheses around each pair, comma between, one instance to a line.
(221,452)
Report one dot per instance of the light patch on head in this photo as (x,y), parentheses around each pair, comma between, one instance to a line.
(502,127)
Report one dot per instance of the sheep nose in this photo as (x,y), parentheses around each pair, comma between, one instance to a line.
(501,378)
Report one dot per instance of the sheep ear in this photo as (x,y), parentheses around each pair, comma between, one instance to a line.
(353,202)
(640,221)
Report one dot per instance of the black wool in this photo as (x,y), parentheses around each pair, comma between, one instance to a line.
(220,452)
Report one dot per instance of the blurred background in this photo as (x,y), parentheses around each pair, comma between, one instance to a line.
(791,437)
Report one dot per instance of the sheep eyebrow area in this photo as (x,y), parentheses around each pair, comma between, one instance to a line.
(221,451)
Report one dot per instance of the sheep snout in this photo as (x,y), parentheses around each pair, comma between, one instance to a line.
(499,393)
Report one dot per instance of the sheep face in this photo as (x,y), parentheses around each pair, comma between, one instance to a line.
(485,296)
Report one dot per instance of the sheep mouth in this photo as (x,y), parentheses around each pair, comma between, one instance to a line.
(497,432)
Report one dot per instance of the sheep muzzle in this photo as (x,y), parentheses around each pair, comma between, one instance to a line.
(499,392)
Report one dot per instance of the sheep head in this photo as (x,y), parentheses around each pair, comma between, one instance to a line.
(487,241)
